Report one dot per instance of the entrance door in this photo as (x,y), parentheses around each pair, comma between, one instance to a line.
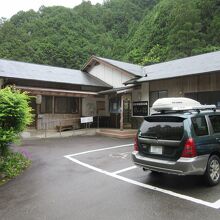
(127,111)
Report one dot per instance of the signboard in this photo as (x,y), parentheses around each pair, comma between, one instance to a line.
(86,120)
(140,109)
(114,105)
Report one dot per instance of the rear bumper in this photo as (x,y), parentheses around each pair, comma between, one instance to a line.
(183,166)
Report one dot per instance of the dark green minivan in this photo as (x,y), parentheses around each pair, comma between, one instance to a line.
(180,142)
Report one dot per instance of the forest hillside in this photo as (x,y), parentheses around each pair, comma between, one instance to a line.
(141,32)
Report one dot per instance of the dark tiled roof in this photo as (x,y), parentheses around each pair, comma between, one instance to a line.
(209,62)
(21,70)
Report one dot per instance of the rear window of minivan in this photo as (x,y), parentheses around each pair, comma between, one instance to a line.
(162,127)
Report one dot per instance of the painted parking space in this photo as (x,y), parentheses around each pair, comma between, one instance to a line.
(192,186)
(116,162)
(109,159)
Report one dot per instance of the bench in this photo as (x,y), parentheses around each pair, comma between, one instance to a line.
(61,128)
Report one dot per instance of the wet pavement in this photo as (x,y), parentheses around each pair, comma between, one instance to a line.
(100,184)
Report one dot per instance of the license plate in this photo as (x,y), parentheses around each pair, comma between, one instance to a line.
(156,149)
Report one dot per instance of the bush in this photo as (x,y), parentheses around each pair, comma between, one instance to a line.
(12,164)
(15,115)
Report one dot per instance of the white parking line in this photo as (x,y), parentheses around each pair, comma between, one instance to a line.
(124,170)
(97,150)
(215,205)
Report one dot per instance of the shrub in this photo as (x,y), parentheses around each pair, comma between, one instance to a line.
(15,115)
(12,164)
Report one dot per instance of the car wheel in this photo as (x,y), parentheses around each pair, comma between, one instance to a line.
(212,174)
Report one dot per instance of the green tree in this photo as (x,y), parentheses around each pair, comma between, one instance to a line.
(156,55)
(127,30)
(15,115)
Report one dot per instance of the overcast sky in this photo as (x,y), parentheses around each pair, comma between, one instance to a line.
(11,7)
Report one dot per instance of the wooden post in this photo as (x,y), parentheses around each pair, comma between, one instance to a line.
(122,113)
(98,121)
(36,116)
(45,129)
(60,127)
(53,105)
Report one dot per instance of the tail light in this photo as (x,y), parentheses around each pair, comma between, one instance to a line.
(136,143)
(189,149)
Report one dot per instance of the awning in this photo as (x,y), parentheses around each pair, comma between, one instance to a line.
(120,90)
(56,92)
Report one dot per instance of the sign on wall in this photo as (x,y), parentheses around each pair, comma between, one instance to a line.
(86,120)
(140,109)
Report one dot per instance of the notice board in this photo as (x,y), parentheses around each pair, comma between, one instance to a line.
(140,109)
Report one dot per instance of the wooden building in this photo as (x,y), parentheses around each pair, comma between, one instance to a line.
(119,99)
(196,77)
(120,94)
(57,93)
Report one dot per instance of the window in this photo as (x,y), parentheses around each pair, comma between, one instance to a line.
(215,121)
(46,104)
(114,105)
(33,105)
(157,95)
(208,98)
(66,105)
(200,125)
(100,106)
(165,128)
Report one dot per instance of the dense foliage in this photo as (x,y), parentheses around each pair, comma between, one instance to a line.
(12,164)
(138,31)
(15,115)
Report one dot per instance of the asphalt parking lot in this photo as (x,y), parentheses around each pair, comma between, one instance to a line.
(94,178)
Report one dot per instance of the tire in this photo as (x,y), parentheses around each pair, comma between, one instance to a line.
(212,173)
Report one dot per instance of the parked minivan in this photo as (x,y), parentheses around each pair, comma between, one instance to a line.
(182,138)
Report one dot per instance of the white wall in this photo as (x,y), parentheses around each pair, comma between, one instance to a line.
(89,107)
(110,75)
(145,92)
(136,95)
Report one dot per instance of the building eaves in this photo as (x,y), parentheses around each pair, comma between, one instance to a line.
(29,71)
(115,90)
(132,81)
(204,63)
(59,92)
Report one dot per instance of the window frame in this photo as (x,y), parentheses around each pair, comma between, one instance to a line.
(67,112)
(212,124)
(157,92)
(46,112)
(116,101)
(207,125)
(170,122)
